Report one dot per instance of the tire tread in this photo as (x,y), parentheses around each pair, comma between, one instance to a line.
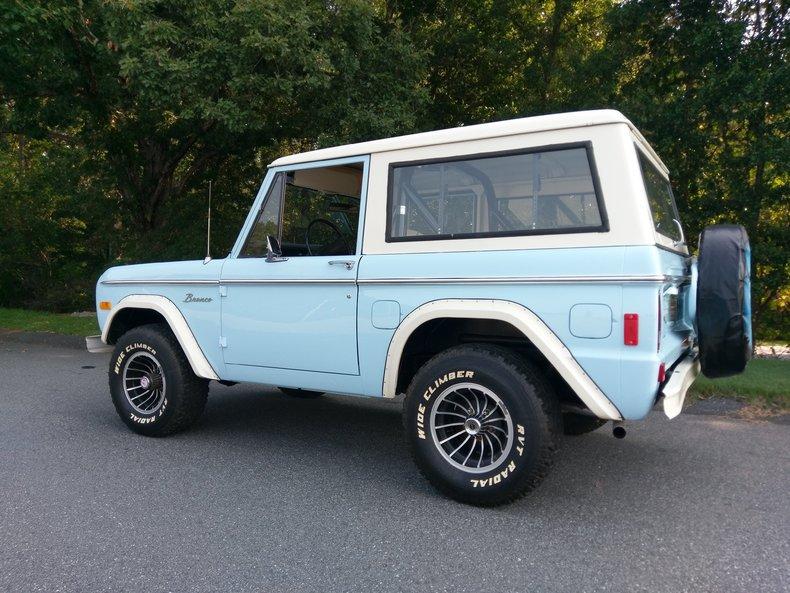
(551,420)
(194,388)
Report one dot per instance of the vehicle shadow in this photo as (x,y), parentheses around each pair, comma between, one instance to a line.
(367,435)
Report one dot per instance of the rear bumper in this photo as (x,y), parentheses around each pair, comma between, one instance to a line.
(676,387)
(95,345)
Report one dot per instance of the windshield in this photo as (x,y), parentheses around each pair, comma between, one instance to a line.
(662,202)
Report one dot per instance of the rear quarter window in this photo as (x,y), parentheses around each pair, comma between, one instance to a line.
(539,191)
(661,199)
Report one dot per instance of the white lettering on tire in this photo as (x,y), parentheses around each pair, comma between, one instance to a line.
(497,478)
(129,348)
(431,390)
(134,418)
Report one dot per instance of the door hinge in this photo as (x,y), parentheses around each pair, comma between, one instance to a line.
(223,342)
(223,291)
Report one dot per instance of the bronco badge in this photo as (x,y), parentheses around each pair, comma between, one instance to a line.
(191,298)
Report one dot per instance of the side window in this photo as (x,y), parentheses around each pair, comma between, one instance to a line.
(311,212)
(268,222)
(533,192)
(659,195)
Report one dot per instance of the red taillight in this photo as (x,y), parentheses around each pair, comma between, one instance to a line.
(662,372)
(631,329)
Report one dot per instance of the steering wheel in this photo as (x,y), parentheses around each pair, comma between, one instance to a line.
(335,229)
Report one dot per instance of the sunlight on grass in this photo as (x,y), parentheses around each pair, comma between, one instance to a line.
(765,380)
(39,321)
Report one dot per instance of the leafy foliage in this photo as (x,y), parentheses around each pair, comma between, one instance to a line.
(165,92)
(707,83)
(114,114)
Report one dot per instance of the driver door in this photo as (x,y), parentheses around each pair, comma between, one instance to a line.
(297,310)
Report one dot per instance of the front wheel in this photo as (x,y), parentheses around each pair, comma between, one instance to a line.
(153,387)
(482,424)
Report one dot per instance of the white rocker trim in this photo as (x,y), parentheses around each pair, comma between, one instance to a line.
(519,317)
(197,360)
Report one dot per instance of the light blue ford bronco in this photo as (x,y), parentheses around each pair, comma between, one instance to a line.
(515,280)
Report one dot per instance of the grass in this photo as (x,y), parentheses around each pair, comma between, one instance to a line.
(39,321)
(765,382)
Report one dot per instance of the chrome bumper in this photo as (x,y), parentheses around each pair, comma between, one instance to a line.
(96,346)
(677,386)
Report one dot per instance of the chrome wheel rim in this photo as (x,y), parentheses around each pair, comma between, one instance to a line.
(144,383)
(471,428)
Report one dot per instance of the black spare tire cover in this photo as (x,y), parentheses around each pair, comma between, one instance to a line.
(724,324)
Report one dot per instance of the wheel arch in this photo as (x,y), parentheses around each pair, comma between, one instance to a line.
(523,321)
(141,309)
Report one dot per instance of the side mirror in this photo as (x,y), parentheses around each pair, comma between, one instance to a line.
(274,252)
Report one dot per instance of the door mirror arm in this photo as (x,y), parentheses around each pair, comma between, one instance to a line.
(274,252)
(682,241)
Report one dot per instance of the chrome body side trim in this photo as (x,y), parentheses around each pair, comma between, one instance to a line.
(233,281)
(625,279)
(158,281)
(522,280)
(289,281)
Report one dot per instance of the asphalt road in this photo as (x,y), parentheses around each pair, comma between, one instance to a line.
(271,494)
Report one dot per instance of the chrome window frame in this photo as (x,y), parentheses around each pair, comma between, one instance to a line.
(271,173)
(587,145)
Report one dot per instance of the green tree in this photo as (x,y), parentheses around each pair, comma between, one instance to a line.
(166,93)
(51,241)
(706,82)
(115,113)
(497,59)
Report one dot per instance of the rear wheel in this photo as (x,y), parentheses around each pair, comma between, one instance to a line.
(152,384)
(482,424)
(303,393)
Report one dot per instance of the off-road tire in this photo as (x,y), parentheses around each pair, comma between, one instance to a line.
(579,424)
(183,396)
(724,310)
(531,405)
(301,393)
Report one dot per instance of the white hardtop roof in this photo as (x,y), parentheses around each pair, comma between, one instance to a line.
(511,127)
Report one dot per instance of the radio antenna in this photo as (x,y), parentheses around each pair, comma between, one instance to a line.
(208,231)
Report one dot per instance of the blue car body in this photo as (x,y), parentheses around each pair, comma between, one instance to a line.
(341,323)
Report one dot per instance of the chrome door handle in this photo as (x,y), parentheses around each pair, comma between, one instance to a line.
(343,262)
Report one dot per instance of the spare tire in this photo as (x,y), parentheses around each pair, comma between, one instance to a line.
(724,317)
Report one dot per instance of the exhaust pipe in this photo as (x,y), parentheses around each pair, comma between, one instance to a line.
(618,430)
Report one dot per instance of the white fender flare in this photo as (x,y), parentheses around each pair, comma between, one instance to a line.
(519,317)
(175,319)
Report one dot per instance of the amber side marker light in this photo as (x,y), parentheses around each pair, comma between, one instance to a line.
(105,305)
